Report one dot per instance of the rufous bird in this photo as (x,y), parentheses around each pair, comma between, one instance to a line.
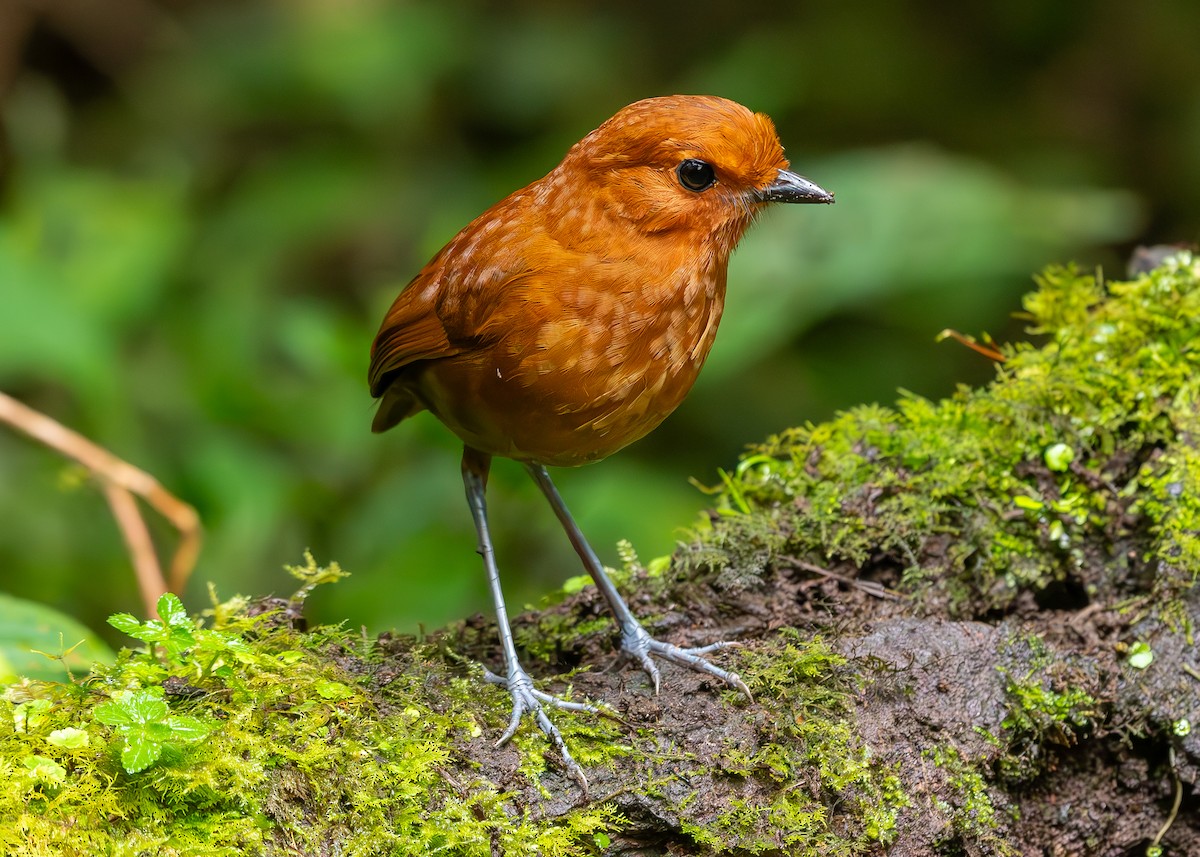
(569,319)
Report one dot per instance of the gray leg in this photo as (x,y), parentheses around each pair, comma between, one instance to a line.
(526,700)
(636,642)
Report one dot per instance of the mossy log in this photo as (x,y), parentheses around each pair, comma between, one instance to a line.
(968,627)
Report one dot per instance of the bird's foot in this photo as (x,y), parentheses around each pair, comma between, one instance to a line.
(529,700)
(639,646)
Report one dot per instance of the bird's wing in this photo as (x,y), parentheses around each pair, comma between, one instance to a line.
(411,331)
(460,299)
(443,312)
(452,306)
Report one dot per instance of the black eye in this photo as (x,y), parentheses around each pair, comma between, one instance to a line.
(696,175)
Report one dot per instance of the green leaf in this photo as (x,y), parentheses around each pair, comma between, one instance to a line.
(133,708)
(69,738)
(113,714)
(146,707)
(45,769)
(40,643)
(185,728)
(140,752)
(1059,456)
(158,731)
(333,690)
(127,624)
(576,584)
(30,716)
(1140,655)
(172,612)
(178,639)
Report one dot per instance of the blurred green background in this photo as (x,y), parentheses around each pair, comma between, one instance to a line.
(207,207)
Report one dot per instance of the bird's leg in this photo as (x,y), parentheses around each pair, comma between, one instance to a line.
(526,699)
(636,642)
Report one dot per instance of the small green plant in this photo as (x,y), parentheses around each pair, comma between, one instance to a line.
(1047,714)
(141,716)
(1045,699)
(144,720)
(173,631)
(311,575)
(1047,705)
(182,644)
(1140,655)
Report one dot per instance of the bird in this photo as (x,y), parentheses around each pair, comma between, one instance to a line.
(572,317)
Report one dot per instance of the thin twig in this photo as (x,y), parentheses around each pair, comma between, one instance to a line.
(141,547)
(870,587)
(121,479)
(1174,807)
(986,350)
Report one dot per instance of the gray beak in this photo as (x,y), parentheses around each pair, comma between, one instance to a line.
(789,187)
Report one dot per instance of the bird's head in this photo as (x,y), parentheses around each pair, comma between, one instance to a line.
(691,163)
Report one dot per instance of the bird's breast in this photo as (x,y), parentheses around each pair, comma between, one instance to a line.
(583,370)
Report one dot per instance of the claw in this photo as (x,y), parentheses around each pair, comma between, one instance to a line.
(528,700)
(642,656)
(637,644)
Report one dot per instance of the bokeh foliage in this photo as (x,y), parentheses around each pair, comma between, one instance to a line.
(202,227)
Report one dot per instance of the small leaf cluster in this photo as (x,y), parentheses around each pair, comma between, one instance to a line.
(147,726)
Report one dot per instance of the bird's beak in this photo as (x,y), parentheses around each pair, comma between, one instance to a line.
(789,187)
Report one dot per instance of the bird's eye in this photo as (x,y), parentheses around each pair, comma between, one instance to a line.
(696,175)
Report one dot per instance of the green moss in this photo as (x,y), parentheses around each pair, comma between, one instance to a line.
(1046,708)
(810,752)
(972,815)
(254,737)
(298,753)
(1008,487)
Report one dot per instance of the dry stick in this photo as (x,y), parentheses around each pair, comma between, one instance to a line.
(121,479)
(868,586)
(141,546)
